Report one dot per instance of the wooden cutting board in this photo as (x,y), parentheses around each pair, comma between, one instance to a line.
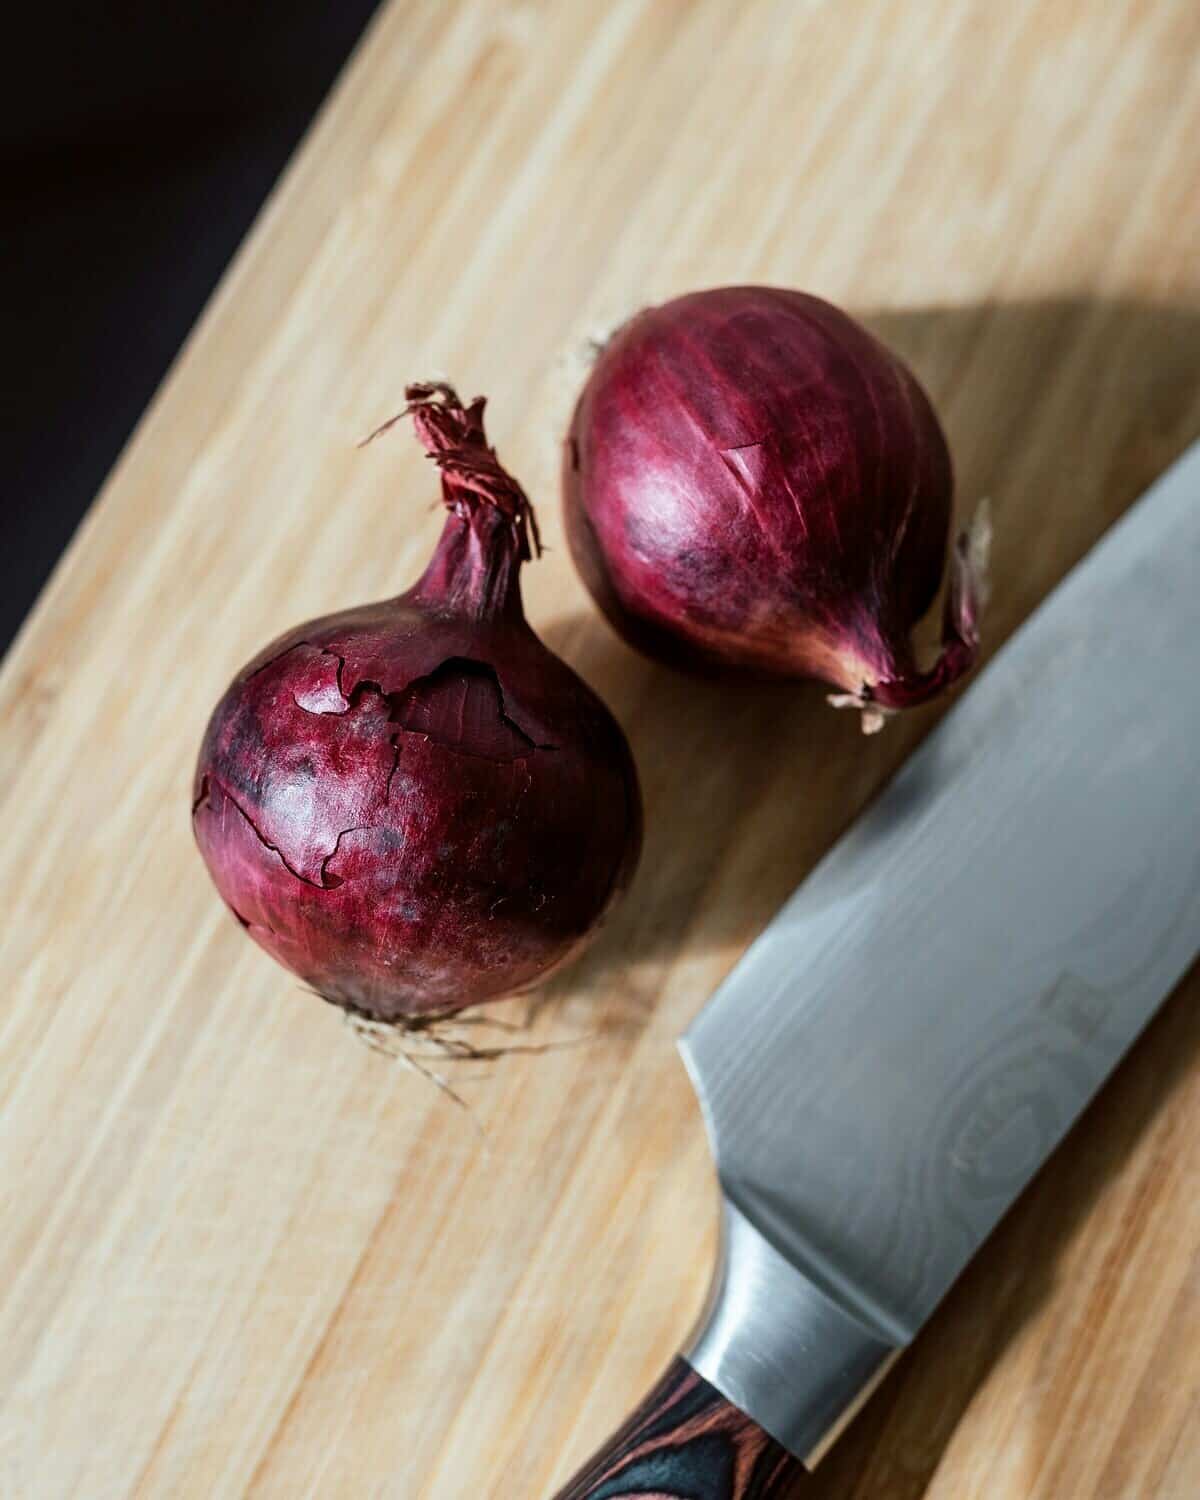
(241,1254)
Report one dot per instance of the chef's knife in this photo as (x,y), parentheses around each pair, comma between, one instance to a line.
(914,1032)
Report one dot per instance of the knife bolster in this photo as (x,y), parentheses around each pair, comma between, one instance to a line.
(780,1348)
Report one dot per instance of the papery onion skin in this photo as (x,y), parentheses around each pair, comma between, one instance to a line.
(751,480)
(414,805)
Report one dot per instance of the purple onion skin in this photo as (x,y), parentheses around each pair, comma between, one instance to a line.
(751,480)
(414,805)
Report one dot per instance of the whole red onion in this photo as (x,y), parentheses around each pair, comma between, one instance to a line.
(752,480)
(414,805)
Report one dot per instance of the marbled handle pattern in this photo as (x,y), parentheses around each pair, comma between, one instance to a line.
(686,1442)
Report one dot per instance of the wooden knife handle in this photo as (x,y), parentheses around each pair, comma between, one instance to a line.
(687,1442)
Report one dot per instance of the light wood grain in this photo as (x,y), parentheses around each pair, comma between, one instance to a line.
(243,1256)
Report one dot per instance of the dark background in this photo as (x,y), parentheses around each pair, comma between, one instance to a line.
(138,142)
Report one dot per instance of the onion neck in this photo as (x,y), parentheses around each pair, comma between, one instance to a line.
(475,569)
(966,597)
(897,682)
(913,687)
(491,529)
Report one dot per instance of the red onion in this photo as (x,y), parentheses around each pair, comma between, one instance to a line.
(414,805)
(752,480)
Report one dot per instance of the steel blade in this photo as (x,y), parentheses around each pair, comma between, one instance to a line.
(913,1033)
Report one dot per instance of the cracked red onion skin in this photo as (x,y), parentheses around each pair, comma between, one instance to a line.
(751,480)
(414,805)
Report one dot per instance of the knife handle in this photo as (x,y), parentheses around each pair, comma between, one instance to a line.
(771,1342)
(687,1442)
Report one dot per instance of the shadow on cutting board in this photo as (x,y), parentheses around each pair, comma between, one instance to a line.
(1063,412)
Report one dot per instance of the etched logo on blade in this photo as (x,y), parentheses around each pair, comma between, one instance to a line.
(1004,1130)
(1011,1112)
(1077,1005)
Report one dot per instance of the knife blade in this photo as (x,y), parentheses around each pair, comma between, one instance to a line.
(917,1028)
